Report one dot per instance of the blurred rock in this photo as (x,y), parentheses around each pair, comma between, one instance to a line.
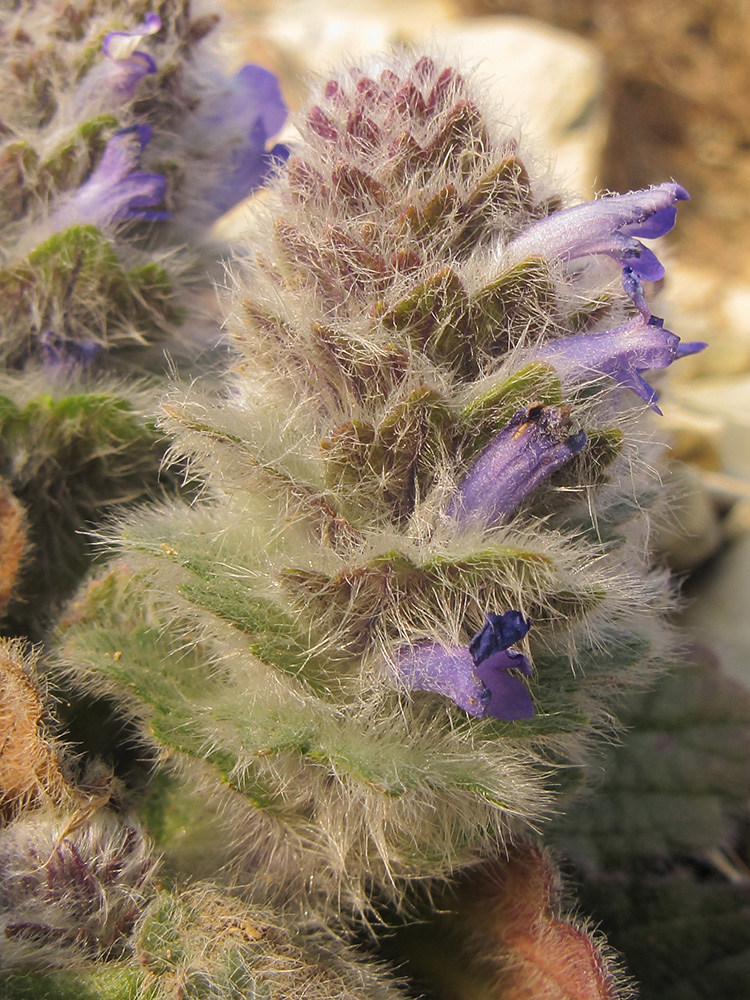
(552,81)
(725,402)
(718,615)
(690,532)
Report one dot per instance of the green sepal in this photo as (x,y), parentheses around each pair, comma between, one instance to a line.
(603,446)
(18,167)
(460,141)
(486,415)
(103,981)
(67,166)
(357,191)
(508,305)
(418,223)
(504,188)
(387,465)
(433,317)
(73,283)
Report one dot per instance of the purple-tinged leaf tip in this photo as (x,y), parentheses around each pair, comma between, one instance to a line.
(623,353)
(608,226)
(536,442)
(474,677)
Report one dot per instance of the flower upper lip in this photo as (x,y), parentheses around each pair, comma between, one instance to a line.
(609,226)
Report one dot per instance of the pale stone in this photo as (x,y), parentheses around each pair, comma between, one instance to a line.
(314,37)
(690,531)
(552,81)
(719,616)
(726,402)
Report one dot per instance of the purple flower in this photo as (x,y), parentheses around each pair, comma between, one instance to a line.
(113,82)
(65,355)
(608,226)
(115,192)
(622,354)
(533,444)
(476,676)
(239,123)
(122,44)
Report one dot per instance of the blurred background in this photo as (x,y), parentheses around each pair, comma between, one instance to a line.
(613,96)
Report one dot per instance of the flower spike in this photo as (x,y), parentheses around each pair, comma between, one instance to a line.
(534,443)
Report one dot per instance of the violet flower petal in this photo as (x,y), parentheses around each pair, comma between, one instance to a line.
(608,226)
(122,44)
(446,670)
(498,633)
(621,354)
(509,698)
(475,676)
(64,354)
(115,192)
(241,121)
(535,443)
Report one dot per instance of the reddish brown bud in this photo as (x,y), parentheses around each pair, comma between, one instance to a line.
(319,123)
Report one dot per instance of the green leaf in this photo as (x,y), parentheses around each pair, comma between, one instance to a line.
(107,981)
(66,459)
(677,781)
(683,938)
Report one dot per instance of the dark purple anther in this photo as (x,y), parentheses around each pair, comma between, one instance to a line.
(622,354)
(535,443)
(499,632)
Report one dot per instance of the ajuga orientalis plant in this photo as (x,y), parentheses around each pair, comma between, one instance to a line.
(418,575)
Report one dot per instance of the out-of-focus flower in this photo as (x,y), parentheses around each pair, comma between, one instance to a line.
(621,354)
(609,226)
(61,354)
(115,192)
(476,676)
(240,120)
(536,441)
(113,81)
